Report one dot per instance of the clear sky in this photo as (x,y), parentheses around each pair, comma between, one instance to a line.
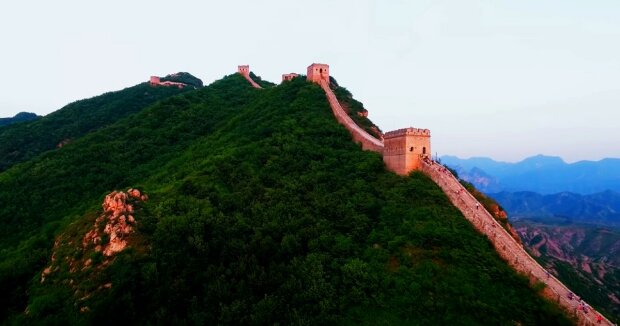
(505,79)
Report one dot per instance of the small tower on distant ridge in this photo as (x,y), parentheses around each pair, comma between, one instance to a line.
(244,70)
(404,149)
(154,80)
(318,72)
(290,76)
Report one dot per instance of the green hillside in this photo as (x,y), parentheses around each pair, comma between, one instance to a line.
(21,142)
(261,211)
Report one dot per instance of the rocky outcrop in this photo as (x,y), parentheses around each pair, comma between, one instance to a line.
(116,223)
(63,142)
(110,234)
(83,254)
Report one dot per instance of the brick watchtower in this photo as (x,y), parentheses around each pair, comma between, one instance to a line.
(318,72)
(290,76)
(244,70)
(404,149)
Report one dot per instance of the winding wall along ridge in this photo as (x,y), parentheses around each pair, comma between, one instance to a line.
(505,245)
(359,135)
(254,84)
(511,251)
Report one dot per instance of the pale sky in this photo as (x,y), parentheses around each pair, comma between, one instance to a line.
(504,79)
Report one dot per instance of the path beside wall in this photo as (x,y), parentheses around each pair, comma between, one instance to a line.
(368,142)
(506,246)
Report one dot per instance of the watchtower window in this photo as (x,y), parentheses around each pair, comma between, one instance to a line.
(423,150)
(411,149)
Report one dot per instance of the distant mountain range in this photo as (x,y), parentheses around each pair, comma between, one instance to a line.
(546,187)
(20,117)
(540,174)
(565,207)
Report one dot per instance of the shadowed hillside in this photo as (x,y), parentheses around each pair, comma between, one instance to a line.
(20,117)
(21,142)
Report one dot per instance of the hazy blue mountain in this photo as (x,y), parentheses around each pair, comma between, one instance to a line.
(600,208)
(20,117)
(541,174)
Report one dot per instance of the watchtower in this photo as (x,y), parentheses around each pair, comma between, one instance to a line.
(290,76)
(244,70)
(404,149)
(318,72)
(154,80)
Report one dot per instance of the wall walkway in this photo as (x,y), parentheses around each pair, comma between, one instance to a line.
(368,142)
(509,249)
(254,84)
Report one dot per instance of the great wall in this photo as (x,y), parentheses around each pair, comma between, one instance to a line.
(408,149)
(156,81)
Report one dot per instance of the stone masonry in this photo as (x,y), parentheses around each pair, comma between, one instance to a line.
(404,149)
(244,70)
(505,245)
(408,149)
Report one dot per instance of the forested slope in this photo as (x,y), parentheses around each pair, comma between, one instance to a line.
(261,211)
(24,141)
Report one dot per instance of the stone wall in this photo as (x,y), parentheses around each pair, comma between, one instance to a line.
(359,135)
(289,76)
(506,246)
(404,149)
(318,72)
(156,81)
(243,69)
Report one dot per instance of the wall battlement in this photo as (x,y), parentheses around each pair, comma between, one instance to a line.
(318,72)
(407,131)
(243,69)
(405,149)
(156,81)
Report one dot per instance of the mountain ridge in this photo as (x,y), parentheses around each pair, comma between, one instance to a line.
(261,210)
(19,117)
(21,142)
(541,174)
(599,208)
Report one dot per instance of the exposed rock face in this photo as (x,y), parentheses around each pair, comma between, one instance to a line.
(117,220)
(109,235)
(63,143)
(585,254)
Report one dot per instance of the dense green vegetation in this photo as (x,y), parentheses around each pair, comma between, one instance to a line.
(354,108)
(24,141)
(183,77)
(262,211)
(260,81)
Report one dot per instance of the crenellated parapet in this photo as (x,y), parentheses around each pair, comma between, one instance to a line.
(405,149)
(244,69)
(407,131)
(318,72)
